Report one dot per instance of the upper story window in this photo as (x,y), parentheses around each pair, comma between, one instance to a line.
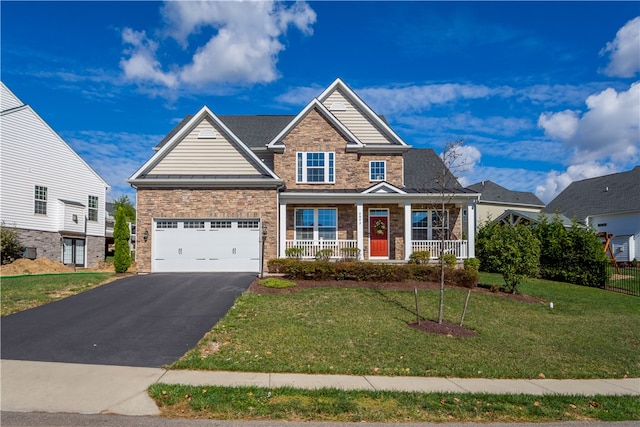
(93,208)
(40,206)
(316,167)
(377,170)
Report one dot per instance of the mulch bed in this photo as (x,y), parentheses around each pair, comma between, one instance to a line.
(427,326)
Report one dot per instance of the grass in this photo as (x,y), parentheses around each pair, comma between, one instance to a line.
(590,333)
(276,283)
(251,403)
(24,292)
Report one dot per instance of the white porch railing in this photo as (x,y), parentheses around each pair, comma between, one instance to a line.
(457,247)
(311,247)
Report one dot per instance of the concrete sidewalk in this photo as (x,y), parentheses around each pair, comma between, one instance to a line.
(94,389)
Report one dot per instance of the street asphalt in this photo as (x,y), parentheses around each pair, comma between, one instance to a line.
(144,320)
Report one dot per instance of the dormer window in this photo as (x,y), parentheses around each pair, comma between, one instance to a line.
(315,168)
(377,170)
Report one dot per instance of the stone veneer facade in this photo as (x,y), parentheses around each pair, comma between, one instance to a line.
(48,244)
(228,203)
(313,134)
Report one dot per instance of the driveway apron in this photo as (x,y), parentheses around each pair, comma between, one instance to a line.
(145,320)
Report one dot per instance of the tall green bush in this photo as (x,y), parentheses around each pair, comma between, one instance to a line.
(573,255)
(122,254)
(515,251)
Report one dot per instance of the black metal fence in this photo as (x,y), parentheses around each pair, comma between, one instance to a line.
(624,278)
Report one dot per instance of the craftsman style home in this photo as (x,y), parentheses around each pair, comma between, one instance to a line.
(228,193)
(50,196)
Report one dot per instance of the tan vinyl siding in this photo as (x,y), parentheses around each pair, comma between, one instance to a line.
(204,156)
(354,119)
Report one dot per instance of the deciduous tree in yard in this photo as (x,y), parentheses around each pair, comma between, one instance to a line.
(122,255)
(515,251)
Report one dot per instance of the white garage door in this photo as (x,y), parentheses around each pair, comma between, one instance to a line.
(206,245)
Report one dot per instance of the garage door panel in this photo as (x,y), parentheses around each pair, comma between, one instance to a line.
(222,245)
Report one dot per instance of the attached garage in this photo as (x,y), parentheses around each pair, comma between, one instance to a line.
(203,245)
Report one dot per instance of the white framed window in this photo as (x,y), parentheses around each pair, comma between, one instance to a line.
(429,225)
(194,224)
(316,224)
(40,205)
(315,167)
(377,170)
(93,208)
(164,224)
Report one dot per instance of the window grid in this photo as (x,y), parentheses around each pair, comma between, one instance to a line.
(220,224)
(315,167)
(377,170)
(93,208)
(253,224)
(161,225)
(429,225)
(40,206)
(316,224)
(194,224)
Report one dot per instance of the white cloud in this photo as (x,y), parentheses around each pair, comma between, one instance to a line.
(624,51)
(244,46)
(604,139)
(555,181)
(561,125)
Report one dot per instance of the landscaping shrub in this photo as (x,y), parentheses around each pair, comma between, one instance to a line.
(369,272)
(324,254)
(449,260)
(11,249)
(472,264)
(350,254)
(419,257)
(122,254)
(294,252)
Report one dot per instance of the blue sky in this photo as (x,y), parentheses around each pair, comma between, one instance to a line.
(542,93)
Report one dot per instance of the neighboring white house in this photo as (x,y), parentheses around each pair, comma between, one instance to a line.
(609,204)
(495,200)
(53,198)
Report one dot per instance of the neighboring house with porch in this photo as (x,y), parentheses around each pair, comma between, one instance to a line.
(608,204)
(495,200)
(227,193)
(49,194)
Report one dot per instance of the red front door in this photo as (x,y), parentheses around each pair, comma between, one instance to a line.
(379,232)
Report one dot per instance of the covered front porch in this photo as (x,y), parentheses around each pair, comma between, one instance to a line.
(374,226)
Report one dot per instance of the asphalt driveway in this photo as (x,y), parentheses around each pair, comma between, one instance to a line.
(146,320)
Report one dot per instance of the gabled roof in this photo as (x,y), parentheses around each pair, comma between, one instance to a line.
(609,194)
(338,84)
(383,188)
(315,104)
(423,171)
(512,216)
(144,174)
(494,193)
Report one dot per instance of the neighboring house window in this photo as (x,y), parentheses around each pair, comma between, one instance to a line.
(93,208)
(377,170)
(40,206)
(316,167)
(316,224)
(73,251)
(429,225)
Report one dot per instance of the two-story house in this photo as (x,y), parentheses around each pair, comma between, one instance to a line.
(49,194)
(609,204)
(227,193)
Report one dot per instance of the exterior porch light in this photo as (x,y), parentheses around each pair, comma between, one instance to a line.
(145,235)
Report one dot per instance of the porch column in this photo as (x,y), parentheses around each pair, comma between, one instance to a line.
(471,228)
(360,228)
(407,230)
(282,228)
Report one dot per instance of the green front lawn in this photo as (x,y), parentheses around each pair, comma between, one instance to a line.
(251,403)
(590,333)
(24,292)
